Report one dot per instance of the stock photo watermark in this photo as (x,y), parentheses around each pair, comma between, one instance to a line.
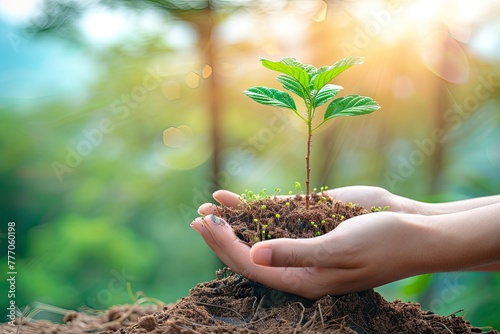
(449,293)
(379,20)
(120,109)
(44,20)
(11,273)
(453,117)
(117,284)
(247,150)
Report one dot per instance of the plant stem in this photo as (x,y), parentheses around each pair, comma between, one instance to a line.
(308,157)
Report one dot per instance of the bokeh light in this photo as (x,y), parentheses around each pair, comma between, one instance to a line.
(170,81)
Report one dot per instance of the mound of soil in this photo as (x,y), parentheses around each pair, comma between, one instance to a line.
(233,304)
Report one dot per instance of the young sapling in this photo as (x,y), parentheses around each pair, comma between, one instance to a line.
(312,86)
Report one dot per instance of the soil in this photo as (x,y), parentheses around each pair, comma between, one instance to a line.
(278,217)
(233,304)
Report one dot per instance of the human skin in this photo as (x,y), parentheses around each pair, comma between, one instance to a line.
(365,251)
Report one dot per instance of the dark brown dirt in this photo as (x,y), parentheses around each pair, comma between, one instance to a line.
(274,218)
(234,304)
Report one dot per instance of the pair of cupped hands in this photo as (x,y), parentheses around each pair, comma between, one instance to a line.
(361,253)
(365,251)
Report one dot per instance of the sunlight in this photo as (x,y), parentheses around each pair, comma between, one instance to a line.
(15,11)
(104,25)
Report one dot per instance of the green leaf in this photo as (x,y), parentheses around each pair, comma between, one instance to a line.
(271,97)
(289,66)
(292,85)
(326,93)
(325,74)
(352,105)
(294,62)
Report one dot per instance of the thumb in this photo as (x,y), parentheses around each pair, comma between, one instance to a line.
(292,252)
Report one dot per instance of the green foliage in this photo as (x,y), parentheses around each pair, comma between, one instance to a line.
(312,86)
(271,97)
(352,105)
(124,197)
(250,196)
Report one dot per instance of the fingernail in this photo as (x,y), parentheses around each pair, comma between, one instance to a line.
(216,220)
(198,222)
(261,255)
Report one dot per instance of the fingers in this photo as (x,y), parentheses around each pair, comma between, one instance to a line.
(236,255)
(221,239)
(224,197)
(208,209)
(227,198)
(366,196)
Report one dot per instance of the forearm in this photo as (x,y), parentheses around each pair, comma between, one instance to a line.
(411,206)
(464,240)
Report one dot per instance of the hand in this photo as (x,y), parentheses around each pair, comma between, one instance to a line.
(361,253)
(368,196)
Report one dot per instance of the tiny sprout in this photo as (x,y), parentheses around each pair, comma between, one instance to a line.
(318,233)
(298,187)
(333,216)
(312,223)
(263,207)
(290,192)
(277,216)
(315,189)
(379,208)
(255,220)
(287,204)
(342,218)
(349,204)
(323,221)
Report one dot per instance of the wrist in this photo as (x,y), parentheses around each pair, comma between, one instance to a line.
(422,246)
(406,205)
(457,244)
(439,249)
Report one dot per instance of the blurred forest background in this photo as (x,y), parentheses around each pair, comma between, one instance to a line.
(119,118)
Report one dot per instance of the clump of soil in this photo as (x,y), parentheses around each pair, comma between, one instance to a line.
(279,217)
(233,304)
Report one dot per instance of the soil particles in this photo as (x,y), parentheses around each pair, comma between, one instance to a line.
(233,304)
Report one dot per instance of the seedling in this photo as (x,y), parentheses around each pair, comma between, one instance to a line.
(311,84)
(379,208)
